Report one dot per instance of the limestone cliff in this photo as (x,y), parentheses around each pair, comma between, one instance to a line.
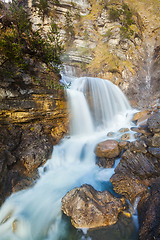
(104,46)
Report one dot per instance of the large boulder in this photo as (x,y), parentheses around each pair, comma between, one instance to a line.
(89,208)
(107,149)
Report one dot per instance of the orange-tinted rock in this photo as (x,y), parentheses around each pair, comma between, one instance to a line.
(89,208)
(139,115)
(107,149)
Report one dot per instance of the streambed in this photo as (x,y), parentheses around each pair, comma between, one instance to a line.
(97,107)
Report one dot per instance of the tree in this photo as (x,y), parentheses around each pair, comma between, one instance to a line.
(19,41)
(43,8)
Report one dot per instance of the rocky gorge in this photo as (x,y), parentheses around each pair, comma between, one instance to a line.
(34,116)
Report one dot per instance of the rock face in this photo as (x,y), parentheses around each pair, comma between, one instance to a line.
(137,175)
(103,46)
(149,213)
(132,172)
(89,208)
(33,118)
(34,149)
(107,149)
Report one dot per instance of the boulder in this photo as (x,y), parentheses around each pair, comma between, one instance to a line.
(107,149)
(154,123)
(125,137)
(123,145)
(141,116)
(143,130)
(89,208)
(154,141)
(122,130)
(105,162)
(138,146)
(154,151)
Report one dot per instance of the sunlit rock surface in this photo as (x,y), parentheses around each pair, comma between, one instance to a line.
(33,118)
(89,208)
(107,149)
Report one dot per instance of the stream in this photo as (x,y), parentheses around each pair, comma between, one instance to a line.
(96,107)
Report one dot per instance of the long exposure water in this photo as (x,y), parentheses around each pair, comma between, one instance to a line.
(96,107)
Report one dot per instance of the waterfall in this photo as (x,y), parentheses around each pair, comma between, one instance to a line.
(105,100)
(96,107)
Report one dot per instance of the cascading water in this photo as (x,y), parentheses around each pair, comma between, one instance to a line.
(97,107)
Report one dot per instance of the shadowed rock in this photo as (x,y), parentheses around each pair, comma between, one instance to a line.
(149,213)
(133,173)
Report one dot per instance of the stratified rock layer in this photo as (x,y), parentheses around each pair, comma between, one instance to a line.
(33,118)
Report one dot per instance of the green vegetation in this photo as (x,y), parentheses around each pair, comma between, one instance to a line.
(124,16)
(114,14)
(69,28)
(43,8)
(18,42)
(108,34)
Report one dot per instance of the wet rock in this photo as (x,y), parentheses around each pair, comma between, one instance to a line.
(142,129)
(107,149)
(125,137)
(149,213)
(138,146)
(154,151)
(154,123)
(123,145)
(133,173)
(140,115)
(154,141)
(89,208)
(122,130)
(110,134)
(105,162)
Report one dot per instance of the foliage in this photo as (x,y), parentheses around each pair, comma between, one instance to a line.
(43,8)
(124,16)
(69,28)
(108,34)
(77,15)
(20,41)
(113,14)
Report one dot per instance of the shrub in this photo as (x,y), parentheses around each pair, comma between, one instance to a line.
(114,14)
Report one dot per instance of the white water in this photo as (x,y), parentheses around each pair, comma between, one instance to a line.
(35,214)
